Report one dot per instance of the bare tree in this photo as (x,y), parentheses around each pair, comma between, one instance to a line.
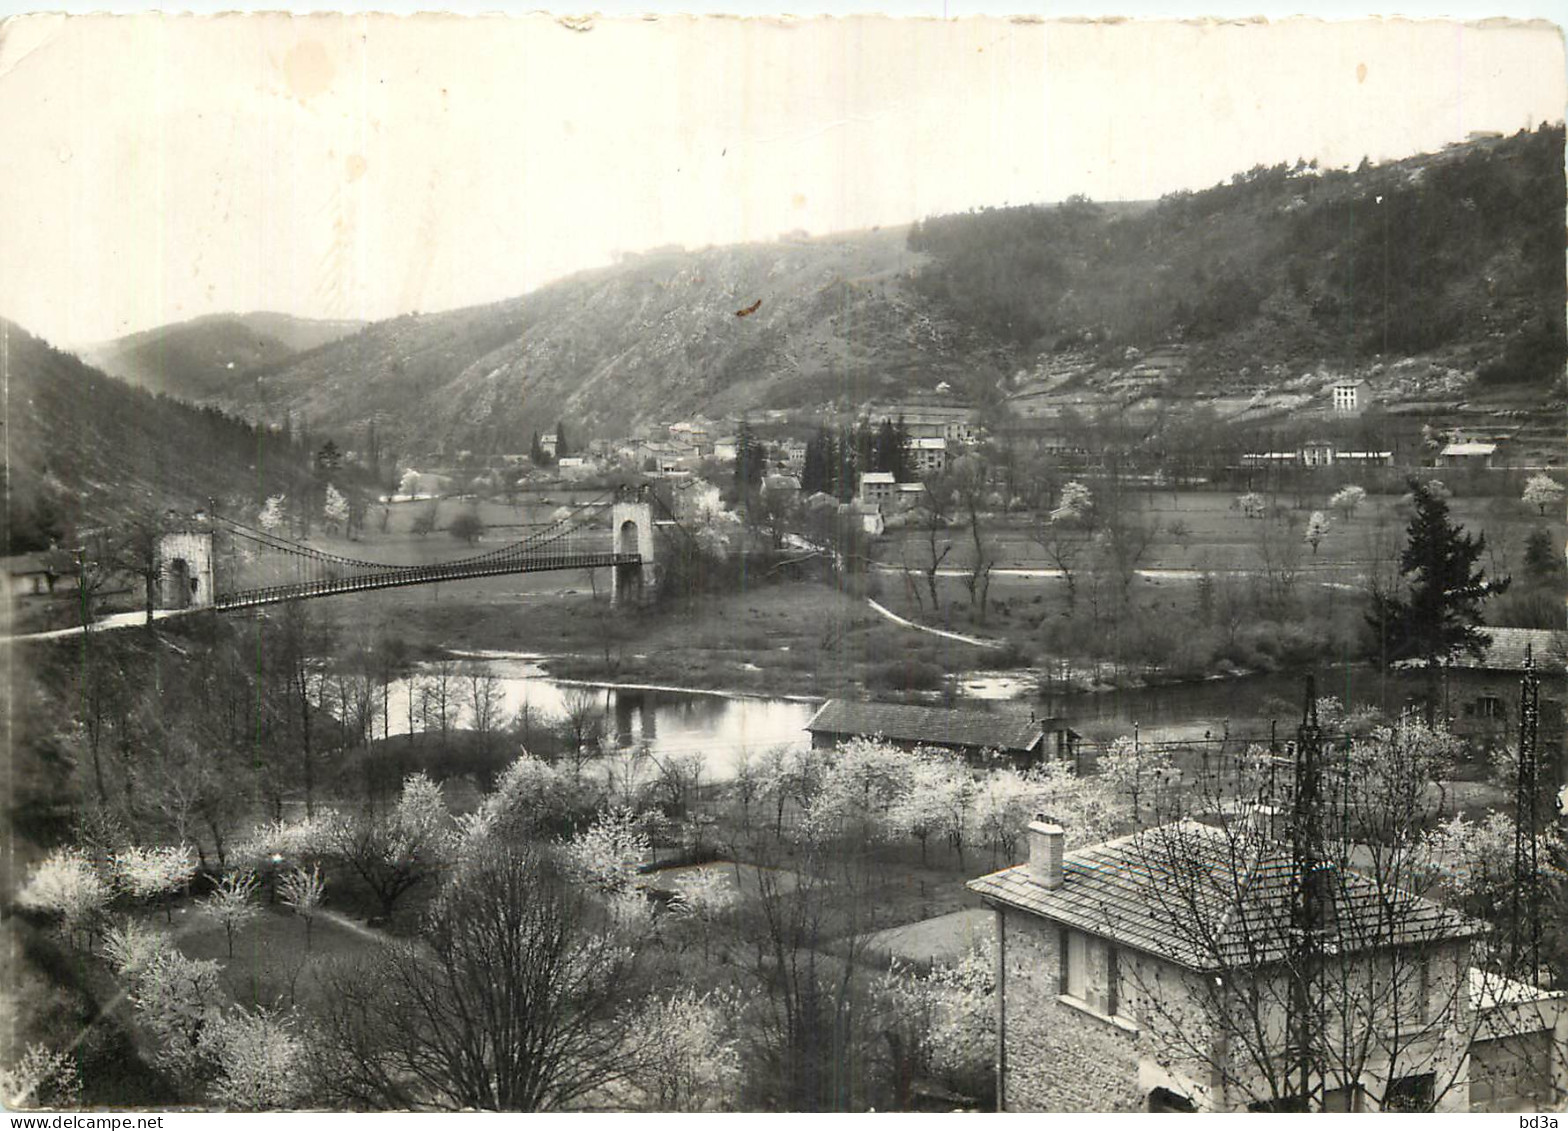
(582,727)
(511,1001)
(485,701)
(934,512)
(1305,973)
(970,483)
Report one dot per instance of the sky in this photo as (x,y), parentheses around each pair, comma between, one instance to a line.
(154,169)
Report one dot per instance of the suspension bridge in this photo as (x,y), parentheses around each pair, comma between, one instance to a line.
(270,568)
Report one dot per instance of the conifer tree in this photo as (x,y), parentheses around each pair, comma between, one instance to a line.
(1437,617)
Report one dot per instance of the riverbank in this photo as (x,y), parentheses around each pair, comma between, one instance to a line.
(786,639)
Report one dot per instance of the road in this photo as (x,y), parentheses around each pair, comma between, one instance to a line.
(102,624)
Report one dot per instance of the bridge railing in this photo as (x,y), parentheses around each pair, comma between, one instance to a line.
(420,575)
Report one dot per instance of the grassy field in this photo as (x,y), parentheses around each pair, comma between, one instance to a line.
(1203,530)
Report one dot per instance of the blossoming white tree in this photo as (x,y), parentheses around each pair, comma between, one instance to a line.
(1542,491)
(694,1063)
(400,849)
(260,1060)
(1317,530)
(607,857)
(946,1018)
(66,885)
(154,874)
(176,998)
(1074,505)
(133,946)
(335,510)
(301,892)
(1347,499)
(274,515)
(43,1077)
(232,904)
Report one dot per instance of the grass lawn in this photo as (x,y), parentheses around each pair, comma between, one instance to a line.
(942,938)
(271,964)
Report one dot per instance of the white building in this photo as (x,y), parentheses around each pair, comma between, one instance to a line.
(876,486)
(928,454)
(1351,396)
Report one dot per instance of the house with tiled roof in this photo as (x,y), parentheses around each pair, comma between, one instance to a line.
(1017,738)
(1159,971)
(1480,692)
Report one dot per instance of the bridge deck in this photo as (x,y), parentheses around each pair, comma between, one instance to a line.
(418,575)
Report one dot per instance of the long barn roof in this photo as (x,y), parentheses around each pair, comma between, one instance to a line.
(937,726)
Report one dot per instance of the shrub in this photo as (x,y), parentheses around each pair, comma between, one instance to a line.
(906,675)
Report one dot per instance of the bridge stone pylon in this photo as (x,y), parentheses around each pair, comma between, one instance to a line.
(185,570)
(631,526)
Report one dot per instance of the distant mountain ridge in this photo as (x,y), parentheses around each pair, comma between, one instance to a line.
(202,359)
(1454,257)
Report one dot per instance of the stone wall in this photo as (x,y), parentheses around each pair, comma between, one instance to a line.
(1056,1058)
(1513,1073)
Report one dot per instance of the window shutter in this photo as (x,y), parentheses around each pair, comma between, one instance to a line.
(1113,977)
(1063,936)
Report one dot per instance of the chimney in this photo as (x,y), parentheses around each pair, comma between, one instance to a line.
(1045,852)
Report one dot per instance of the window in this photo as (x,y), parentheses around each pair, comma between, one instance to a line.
(1090,977)
(1075,965)
(1410,1093)
(1489,707)
(1165,1100)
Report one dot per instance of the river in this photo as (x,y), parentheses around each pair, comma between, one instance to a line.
(670,721)
(722,727)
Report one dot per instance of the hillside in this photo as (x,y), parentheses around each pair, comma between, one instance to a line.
(1456,255)
(655,337)
(203,359)
(1439,276)
(84,449)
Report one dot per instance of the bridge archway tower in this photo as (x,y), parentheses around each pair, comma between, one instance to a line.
(631,523)
(185,570)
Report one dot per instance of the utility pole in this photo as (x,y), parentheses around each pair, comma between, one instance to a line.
(1309,911)
(1524,950)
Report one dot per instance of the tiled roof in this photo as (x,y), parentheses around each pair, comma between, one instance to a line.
(1548,648)
(1469,449)
(1210,900)
(903,722)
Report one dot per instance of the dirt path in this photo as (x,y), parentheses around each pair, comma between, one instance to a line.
(958,636)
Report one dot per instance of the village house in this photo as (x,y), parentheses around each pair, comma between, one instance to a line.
(952,422)
(869,516)
(1467,453)
(29,575)
(1481,693)
(1020,739)
(793,454)
(1351,397)
(876,487)
(928,455)
(1153,972)
(1317,453)
(780,486)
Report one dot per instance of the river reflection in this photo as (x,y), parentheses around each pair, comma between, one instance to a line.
(721,728)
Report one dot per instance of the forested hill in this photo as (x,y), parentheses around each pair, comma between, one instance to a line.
(1455,257)
(85,449)
(1458,253)
(203,359)
(656,337)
